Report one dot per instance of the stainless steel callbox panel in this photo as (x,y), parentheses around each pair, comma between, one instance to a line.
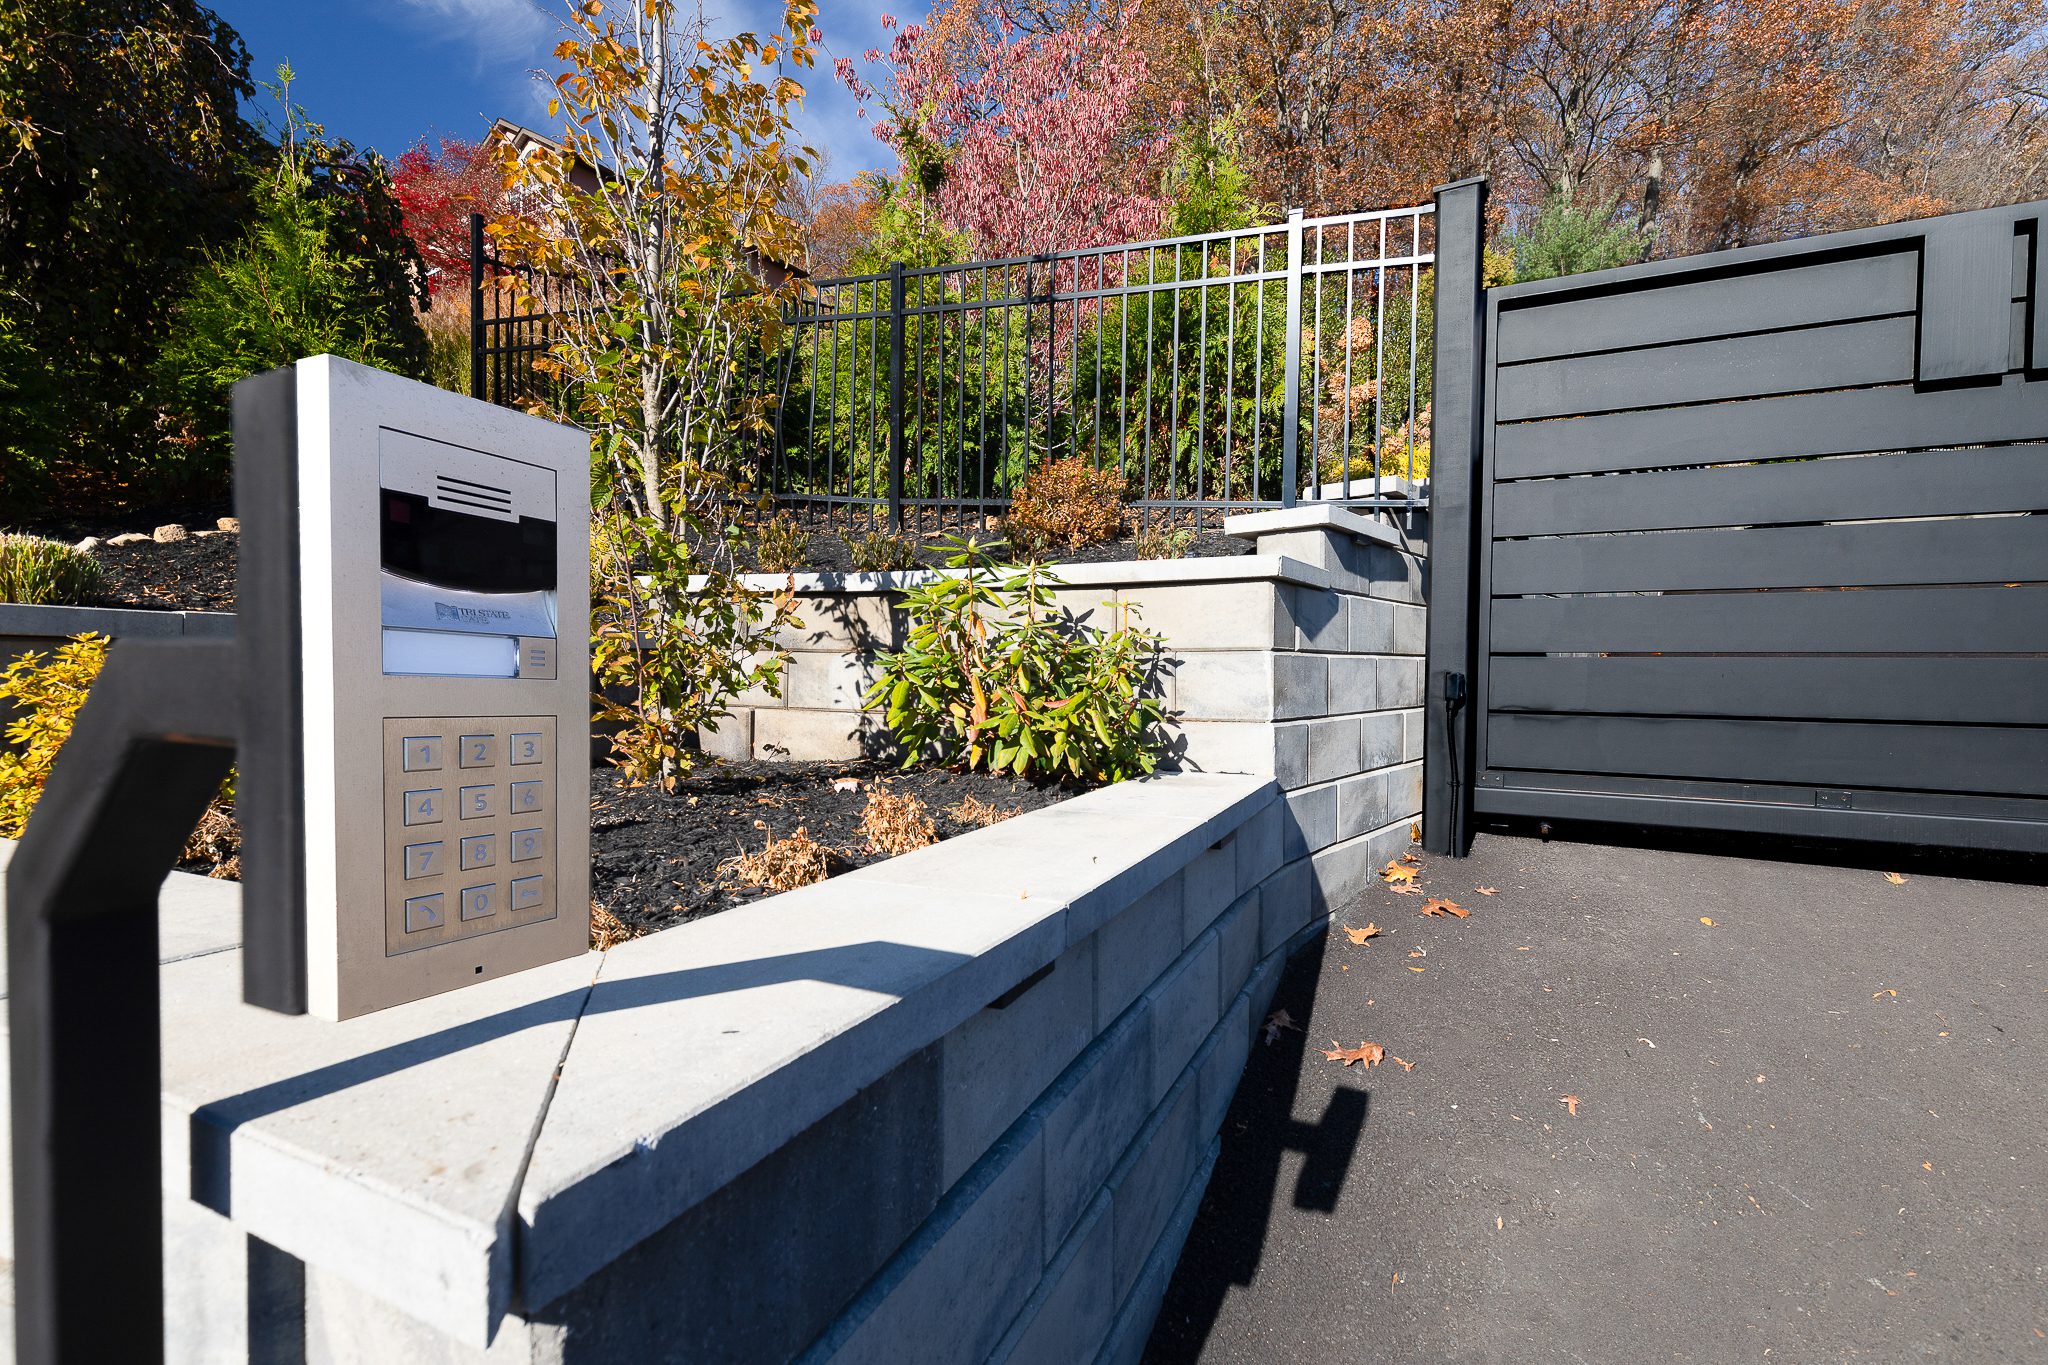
(442,558)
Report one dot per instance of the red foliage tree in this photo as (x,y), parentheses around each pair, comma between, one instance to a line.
(438,188)
(1023,137)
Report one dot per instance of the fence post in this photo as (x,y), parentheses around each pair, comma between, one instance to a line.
(896,395)
(476,305)
(1456,486)
(1290,409)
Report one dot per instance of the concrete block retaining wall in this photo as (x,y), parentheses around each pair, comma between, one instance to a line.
(1302,661)
(955,1107)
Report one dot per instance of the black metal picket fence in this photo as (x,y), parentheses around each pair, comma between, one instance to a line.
(1217,373)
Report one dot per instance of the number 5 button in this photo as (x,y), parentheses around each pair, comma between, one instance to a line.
(479,802)
(423,807)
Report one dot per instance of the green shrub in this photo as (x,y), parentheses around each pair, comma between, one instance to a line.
(31,410)
(881,551)
(1065,505)
(673,641)
(49,573)
(1164,542)
(321,269)
(991,679)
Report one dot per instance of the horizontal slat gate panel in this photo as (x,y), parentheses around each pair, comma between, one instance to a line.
(1923,688)
(1766,301)
(1845,355)
(1928,620)
(1755,813)
(1965,550)
(1929,483)
(1775,428)
(2010,762)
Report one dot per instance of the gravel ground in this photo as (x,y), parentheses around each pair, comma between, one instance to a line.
(1808,1130)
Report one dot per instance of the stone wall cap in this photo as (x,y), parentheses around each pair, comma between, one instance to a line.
(17,618)
(1312,516)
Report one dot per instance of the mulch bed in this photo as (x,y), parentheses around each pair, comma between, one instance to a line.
(195,574)
(658,859)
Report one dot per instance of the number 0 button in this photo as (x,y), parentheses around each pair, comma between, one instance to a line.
(424,807)
(479,902)
(526,796)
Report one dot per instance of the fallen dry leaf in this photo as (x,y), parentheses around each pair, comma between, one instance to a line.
(846,784)
(1361,935)
(1487,890)
(1397,1280)
(1398,871)
(1415,832)
(1418,969)
(1407,889)
(1369,1053)
(1895,879)
(1707,921)
(1405,1066)
(1887,991)
(1497,1223)
(1420,952)
(1571,1104)
(1440,908)
(1277,1020)
(1925,1165)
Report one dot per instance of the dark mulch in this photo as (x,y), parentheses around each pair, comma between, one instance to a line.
(184,575)
(76,512)
(656,858)
(198,574)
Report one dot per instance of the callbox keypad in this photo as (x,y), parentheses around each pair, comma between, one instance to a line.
(469,827)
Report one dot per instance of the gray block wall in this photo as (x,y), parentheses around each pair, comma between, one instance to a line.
(1017,1192)
(1309,671)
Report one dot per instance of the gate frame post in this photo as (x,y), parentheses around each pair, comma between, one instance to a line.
(1290,409)
(896,395)
(476,306)
(1456,486)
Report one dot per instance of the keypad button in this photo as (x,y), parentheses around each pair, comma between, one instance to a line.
(424,807)
(422,753)
(425,860)
(526,797)
(479,751)
(526,845)
(480,902)
(424,912)
(527,892)
(525,749)
(479,803)
(479,850)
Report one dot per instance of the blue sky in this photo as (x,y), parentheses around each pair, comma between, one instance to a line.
(384,73)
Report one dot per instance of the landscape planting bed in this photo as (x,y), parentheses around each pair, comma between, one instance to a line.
(658,859)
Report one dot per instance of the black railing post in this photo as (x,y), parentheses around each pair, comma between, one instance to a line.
(1290,409)
(149,750)
(896,453)
(1456,487)
(476,305)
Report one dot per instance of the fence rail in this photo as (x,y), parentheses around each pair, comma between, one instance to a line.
(1222,372)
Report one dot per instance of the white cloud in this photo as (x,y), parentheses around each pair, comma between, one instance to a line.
(499,33)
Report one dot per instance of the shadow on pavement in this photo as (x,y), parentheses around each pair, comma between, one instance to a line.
(1229,1236)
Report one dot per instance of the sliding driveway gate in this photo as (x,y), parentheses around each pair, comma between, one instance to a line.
(1753,541)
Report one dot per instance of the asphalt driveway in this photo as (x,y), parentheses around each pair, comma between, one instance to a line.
(1813,1129)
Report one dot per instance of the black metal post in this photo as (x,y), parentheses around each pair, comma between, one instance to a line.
(476,306)
(896,454)
(149,750)
(1290,409)
(271,794)
(1456,484)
